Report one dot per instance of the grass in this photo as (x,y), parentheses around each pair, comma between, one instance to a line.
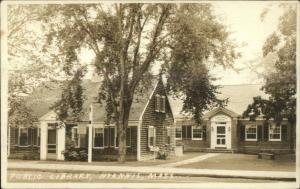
(127,163)
(246,162)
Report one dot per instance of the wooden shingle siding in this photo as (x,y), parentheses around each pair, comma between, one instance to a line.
(263,144)
(21,152)
(159,120)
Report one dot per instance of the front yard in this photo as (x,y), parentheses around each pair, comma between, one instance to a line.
(246,162)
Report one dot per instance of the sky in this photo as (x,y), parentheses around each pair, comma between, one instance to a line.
(243,20)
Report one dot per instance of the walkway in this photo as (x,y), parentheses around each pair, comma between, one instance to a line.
(70,168)
(188,161)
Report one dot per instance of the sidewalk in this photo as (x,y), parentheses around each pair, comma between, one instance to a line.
(69,168)
(191,160)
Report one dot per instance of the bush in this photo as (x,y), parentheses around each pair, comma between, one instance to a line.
(75,154)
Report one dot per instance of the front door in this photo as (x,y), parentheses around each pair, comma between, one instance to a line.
(221,136)
(51,141)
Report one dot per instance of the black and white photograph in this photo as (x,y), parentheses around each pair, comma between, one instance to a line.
(150,94)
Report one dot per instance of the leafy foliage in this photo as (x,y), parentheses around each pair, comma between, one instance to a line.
(69,107)
(128,40)
(280,84)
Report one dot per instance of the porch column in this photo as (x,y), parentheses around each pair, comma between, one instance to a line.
(90,152)
(139,141)
(43,142)
(61,142)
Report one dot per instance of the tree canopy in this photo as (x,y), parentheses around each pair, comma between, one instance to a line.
(280,83)
(127,41)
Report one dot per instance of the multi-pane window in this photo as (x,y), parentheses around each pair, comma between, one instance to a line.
(26,136)
(75,137)
(98,137)
(160,103)
(151,136)
(251,132)
(186,131)
(178,133)
(275,132)
(197,133)
(23,136)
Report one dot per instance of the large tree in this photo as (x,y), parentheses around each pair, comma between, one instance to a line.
(129,39)
(280,82)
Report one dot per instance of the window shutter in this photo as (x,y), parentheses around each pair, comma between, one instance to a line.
(157,103)
(184,132)
(163,104)
(29,136)
(242,132)
(284,132)
(128,136)
(204,132)
(106,137)
(259,132)
(112,136)
(266,132)
(189,132)
(16,135)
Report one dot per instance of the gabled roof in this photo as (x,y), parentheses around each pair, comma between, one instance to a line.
(43,98)
(218,110)
(239,97)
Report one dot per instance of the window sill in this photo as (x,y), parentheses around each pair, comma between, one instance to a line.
(275,140)
(253,140)
(197,139)
(98,147)
(178,138)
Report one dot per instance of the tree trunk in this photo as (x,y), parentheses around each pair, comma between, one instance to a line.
(122,127)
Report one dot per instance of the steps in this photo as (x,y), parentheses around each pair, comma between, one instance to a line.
(218,150)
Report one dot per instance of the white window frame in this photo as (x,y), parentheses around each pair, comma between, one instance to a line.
(73,137)
(276,139)
(180,133)
(246,137)
(94,132)
(154,136)
(194,127)
(19,137)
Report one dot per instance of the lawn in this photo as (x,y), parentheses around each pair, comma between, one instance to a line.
(155,162)
(246,162)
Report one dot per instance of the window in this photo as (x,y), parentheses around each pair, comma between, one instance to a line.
(75,137)
(275,132)
(169,135)
(151,136)
(197,133)
(23,136)
(186,131)
(251,133)
(160,103)
(98,138)
(178,133)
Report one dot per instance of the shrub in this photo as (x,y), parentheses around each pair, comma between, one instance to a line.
(75,154)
